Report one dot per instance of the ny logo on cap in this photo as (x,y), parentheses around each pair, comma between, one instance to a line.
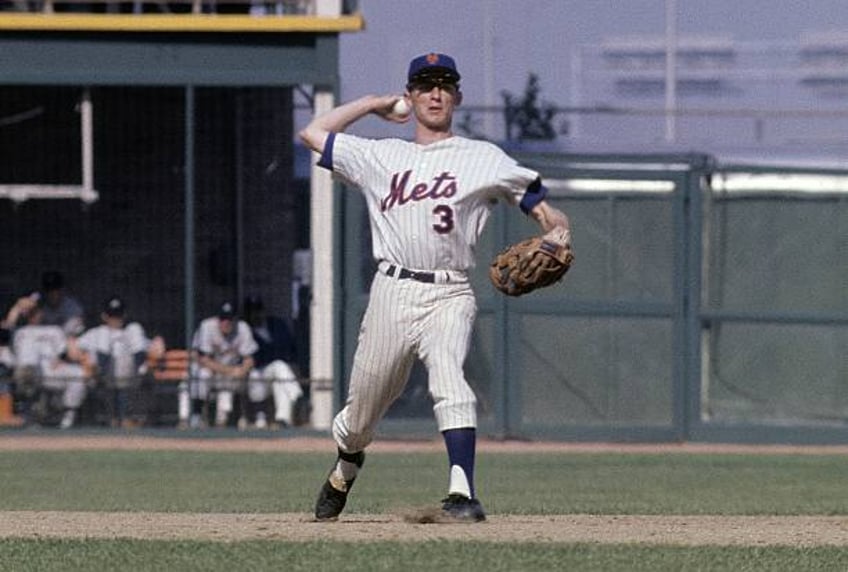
(432,59)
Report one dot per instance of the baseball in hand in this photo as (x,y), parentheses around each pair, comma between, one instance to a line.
(401,108)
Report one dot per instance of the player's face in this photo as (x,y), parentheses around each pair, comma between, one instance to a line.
(434,102)
(226,325)
(114,322)
(53,297)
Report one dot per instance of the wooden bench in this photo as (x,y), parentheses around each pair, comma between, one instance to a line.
(171,367)
(167,372)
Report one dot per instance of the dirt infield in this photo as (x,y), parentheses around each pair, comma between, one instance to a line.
(680,530)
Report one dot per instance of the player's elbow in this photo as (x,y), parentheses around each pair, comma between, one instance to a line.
(313,137)
(303,135)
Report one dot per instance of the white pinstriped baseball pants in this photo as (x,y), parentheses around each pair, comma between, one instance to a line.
(406,319)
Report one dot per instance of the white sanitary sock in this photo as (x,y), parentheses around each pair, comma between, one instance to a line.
(459,482)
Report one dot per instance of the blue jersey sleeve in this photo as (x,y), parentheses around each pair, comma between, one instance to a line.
(326,160)
(535,194)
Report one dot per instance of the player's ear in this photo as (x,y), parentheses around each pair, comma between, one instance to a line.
(458,98)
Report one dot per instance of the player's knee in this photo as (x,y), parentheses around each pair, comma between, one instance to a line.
(350,438)
(340,431)
(279,370)
(466,402)
(456,415)
(456,408)
(257,391)
(456,394)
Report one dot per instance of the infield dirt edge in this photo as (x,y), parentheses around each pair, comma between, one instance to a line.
(795,531)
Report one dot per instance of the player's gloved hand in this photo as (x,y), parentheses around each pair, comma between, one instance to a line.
(534,263)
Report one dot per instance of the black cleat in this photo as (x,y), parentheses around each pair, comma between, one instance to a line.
(463,509)
(333,496)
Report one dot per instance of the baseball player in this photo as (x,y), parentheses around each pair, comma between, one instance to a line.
(272,359)
(60,308)
(45,355)
(224,347)
(428,202)
(120,350)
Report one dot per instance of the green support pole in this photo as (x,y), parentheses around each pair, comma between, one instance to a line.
(189,215)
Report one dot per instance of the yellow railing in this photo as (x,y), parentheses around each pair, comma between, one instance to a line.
(175,16)
(277,7)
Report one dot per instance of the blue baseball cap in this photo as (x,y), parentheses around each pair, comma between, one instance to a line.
(433,66)
(227,311)
(114,307)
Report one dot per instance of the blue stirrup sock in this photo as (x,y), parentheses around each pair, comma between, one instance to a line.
(461,445)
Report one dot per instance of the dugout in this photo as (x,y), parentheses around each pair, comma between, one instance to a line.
(151,155)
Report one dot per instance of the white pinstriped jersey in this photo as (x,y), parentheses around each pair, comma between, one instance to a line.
(7,358)
(428,203)
(121,344)
(228,350)
(37,345)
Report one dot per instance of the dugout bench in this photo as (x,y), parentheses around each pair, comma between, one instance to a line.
(173,369)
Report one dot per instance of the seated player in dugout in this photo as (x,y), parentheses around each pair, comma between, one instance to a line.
(48,360)
(428,201)
(120,350)
(273,363)
(224,346)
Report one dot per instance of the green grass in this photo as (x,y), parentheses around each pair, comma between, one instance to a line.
(257,556)
(509,483)
(547,483)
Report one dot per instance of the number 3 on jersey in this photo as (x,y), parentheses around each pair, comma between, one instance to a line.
(445,222)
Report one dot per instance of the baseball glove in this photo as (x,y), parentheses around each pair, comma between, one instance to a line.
(530,264)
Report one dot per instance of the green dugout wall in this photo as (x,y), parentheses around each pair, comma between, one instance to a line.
(707,302)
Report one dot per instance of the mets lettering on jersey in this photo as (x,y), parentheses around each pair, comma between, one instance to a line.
(419,191)
(429,203)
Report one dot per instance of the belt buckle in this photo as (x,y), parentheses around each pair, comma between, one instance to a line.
(401,273)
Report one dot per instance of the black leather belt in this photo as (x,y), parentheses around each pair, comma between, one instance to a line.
(429,277)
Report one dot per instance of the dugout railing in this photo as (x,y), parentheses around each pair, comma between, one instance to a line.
(148,399)
(706,302)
